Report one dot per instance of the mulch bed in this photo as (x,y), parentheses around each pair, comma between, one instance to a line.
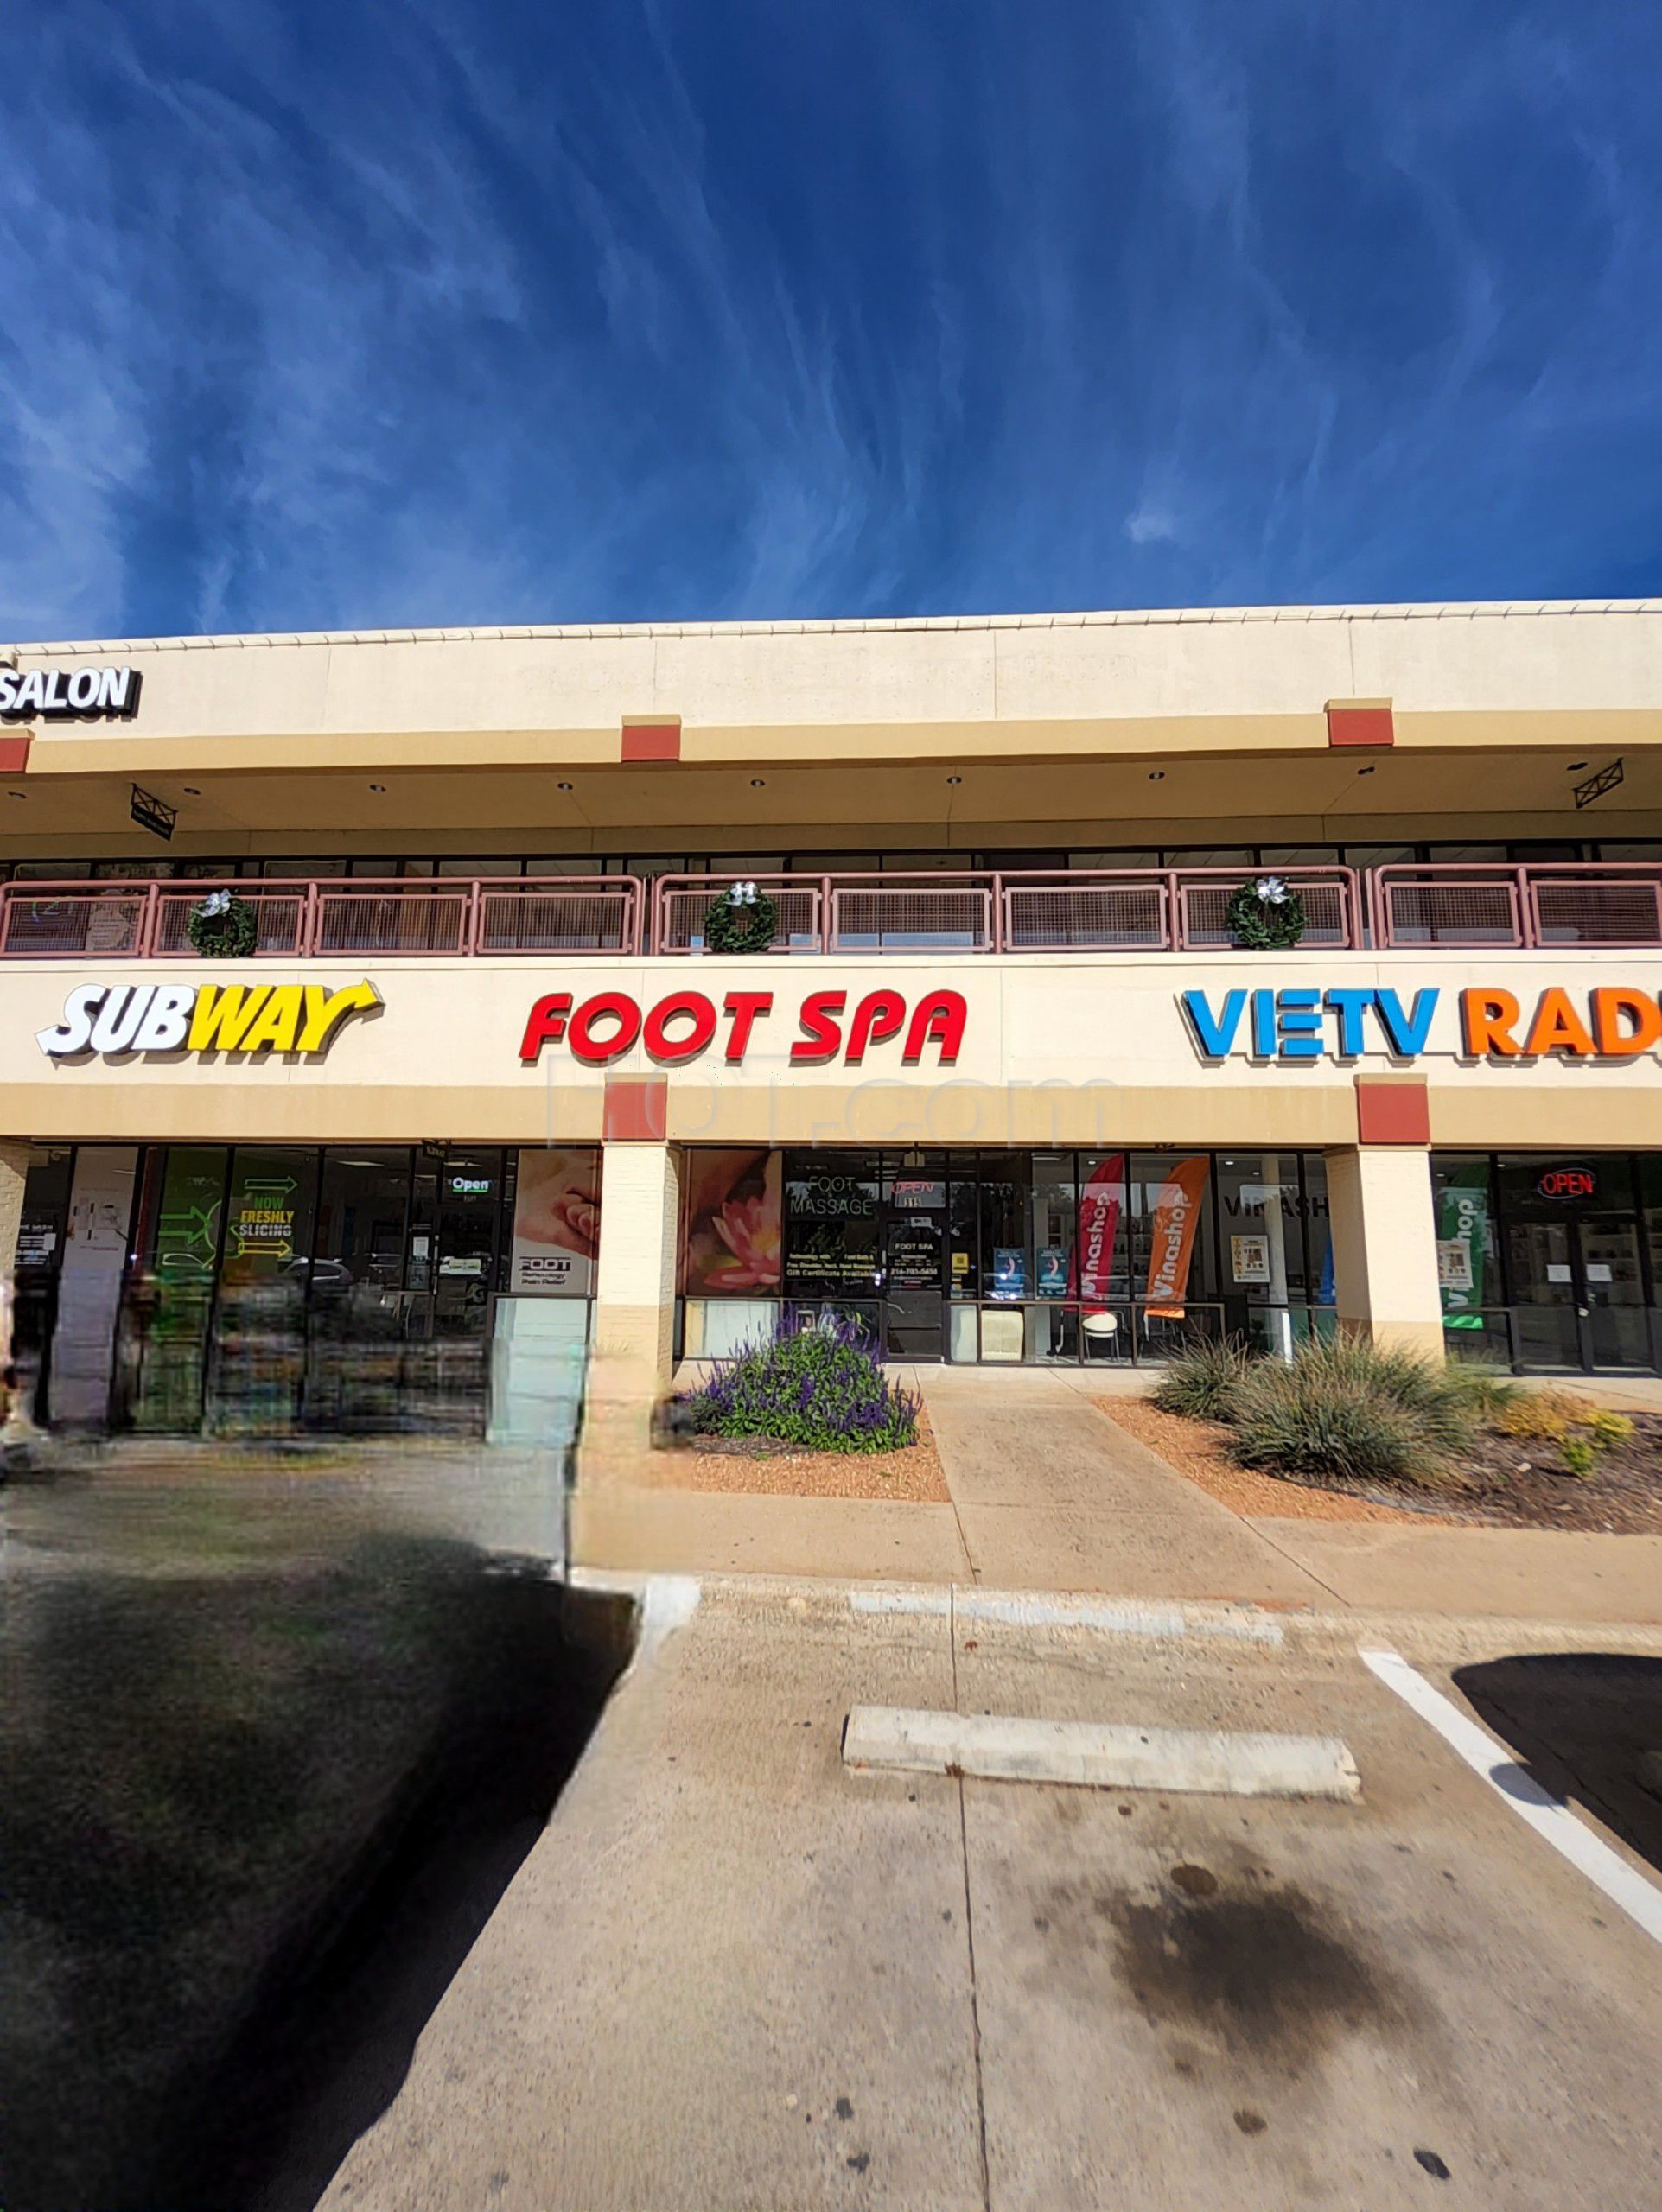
(1520,1483)
(1506,1482)
(774,1468)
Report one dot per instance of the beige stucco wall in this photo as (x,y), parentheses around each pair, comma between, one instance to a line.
(1385,1247)
(1078,1050)
(634,1306)
(1208,681)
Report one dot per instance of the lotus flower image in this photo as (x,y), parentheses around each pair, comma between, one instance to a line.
(752,1240)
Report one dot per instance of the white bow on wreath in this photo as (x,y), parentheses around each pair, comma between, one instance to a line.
(742,894)
(1271,890)
(216,903)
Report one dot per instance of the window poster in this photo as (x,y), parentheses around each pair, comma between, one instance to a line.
(557,1221)
(735,1211)
(1455,1270)
(1249,1258)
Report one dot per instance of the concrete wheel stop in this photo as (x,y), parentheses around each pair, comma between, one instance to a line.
(1095,1755)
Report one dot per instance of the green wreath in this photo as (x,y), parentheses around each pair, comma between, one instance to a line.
(223,927)
(1267,916)
(743,919)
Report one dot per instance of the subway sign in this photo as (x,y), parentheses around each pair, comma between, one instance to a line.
(239,1019)
(1616,1021)
(68,694)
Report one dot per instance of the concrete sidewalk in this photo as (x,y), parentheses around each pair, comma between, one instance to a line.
(732,1975)
(1047,1493)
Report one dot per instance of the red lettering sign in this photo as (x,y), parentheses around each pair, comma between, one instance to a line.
(1568,1183)
(682,1025)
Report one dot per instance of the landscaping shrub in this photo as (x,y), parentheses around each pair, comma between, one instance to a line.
(1608,1429)
(1548,1415)
(1580,1456)
(822,1388)
(1485,1389)
(1343,1407)
(1204,1380)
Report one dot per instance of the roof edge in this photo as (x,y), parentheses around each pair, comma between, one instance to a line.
(1409,611)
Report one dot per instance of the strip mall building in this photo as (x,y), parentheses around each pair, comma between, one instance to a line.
(1042,989)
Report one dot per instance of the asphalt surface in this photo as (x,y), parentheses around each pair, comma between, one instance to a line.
(733,1974)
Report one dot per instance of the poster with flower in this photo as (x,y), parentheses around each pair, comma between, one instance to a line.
(735,1210)
(557,1221)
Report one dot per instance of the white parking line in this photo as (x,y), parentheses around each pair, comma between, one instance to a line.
(1548,1815)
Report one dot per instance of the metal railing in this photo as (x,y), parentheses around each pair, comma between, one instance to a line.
(1535,905)
(1165,910)
(354,917)
(1407,907)
(1060,910)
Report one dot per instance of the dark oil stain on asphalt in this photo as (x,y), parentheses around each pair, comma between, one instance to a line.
(1195,1881)
(1265,1971)
(1433,2164)
(1251,2122)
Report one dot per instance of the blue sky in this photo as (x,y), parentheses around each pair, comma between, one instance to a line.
(473,311)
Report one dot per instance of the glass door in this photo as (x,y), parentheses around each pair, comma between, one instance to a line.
(1611,1279)
(1574,1262)
(1541,1267)
(914,1254)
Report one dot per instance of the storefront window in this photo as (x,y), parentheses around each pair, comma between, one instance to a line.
(1265,1275)
(1548,1260)
(358,1303)
(259,1316)
(170,1295)
(41,1233)
(1171,1249)
(1011,1256)
(830,1204)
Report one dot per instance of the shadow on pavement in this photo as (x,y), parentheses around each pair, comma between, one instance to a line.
(257,1807)
(1587,1727)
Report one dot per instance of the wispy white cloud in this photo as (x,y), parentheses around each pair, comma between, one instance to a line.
(428,312)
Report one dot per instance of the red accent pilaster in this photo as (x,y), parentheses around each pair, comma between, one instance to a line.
(1392,1109)
(652,741)
(635,1110)
(1360,721)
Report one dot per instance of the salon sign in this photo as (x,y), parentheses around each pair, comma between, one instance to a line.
(240,1018)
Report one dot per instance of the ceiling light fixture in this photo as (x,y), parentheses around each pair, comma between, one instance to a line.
(378,787)
(1156,775)
(192,791)
(1575,767)
(562,787)
(1365,772)
(955,779)
(17,794)
(757,782)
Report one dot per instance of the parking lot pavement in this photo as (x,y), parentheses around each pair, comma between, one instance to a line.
(734,1973)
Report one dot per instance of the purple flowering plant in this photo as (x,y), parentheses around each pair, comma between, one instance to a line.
(821,1387)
